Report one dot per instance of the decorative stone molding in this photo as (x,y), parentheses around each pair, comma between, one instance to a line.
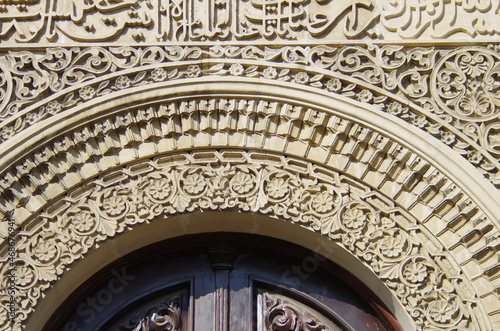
(429,236)
(451,94)
(447,216)
(150,21)
(388,239)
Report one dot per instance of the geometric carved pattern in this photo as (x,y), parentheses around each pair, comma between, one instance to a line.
(451,94)
(382,235)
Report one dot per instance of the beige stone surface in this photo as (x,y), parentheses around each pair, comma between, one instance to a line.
(375,130)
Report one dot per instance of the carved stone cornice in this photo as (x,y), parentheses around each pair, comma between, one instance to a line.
(132,21)
(385,237)
(451,94)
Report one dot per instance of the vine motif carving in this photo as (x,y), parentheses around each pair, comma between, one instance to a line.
(51,21)
(421,76)
(151,190)
(282,315)
(163,317)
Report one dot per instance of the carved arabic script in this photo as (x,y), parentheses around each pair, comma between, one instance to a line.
(230,20)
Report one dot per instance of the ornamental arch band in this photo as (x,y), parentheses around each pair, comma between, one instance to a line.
(385,151)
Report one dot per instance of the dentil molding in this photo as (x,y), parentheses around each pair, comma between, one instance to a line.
(451,94)
(100,162)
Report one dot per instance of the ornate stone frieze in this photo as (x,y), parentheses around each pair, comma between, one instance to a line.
(451,94)
(71,159)
(149,21)
(386,238)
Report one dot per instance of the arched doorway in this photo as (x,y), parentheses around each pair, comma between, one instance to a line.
(369,185)
(222,281)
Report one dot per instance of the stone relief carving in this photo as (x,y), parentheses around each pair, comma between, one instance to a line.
(75,21)
(452,94)
(383,236)
(96,147)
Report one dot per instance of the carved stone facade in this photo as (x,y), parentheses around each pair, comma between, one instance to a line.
(377,127)
(29,21)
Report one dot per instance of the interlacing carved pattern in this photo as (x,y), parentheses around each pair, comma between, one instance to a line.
(51,21)
(450,94)
(282,315)
(380,234)
(164,317)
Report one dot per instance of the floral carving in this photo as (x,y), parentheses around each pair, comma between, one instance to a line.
(323,202)
(193,71)
(83,221)
(122,82)
(87,92)
(114,205)
(24,276)
(442,311)
(467,84)
(415,272)
(242,182)
(158,188)
(347,215)
(45,250)
(158,75)
(392,247)
(194,183)
(277,188)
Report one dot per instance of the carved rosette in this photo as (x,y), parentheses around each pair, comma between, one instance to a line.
(468,84)
(450,94)
(379,234)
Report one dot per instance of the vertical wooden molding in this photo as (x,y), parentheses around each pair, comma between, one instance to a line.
(222,263)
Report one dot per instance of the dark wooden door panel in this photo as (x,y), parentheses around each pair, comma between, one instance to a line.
(220,288)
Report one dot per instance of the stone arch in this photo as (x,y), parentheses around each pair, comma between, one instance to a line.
(422,86)
(335,146)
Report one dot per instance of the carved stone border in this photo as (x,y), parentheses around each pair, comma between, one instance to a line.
(386,238)
(451,220)
(451,94)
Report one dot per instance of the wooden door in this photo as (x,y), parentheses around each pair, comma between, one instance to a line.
(238,283)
